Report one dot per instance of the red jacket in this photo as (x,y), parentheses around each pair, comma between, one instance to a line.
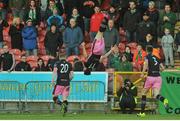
(95,22)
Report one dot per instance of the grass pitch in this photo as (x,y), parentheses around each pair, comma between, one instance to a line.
(86,116)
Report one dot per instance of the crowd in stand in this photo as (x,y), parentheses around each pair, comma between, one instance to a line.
(131,26)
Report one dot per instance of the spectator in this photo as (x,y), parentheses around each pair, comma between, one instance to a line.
(167,45)
(114,15)
(153,13)
(53,41)
(177,40)
(88,11)
(3,11)
(78,18)
(69,5)
(72,38)
(149,41)
(7,60)
(111,36)
(55,19)
(3,23)
(125,65)
(145,27)
(138,58)
(23,65)
(78,65)
(29,34)
(15,34)
(33,12)
(59,4)
(50,7)
(95,22)
(131,20)
(167,19)
(128,54)
(127,94)
(114,58)
(41,66)
(122,7)
(18,7)
(143,5)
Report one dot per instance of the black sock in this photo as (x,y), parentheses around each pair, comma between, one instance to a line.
(65,102)
(159,97)
(59,102)
(143,103)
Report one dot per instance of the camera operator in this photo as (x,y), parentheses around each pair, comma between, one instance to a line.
(127,94)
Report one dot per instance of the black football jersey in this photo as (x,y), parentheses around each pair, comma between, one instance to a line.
(63,70)
(153,65)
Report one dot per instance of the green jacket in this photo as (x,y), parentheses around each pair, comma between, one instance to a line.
(114,62)
(168,24)
(125,66)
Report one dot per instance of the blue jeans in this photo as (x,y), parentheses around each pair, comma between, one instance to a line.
(72,51)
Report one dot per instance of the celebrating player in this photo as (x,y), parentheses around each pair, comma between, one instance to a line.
(63,74)
(154,81)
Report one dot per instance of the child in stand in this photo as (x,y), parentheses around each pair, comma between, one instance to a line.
(167,45)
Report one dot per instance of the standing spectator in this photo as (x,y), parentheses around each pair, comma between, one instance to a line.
(78,18)
(18,7)
(114,15)
(167,45)
(128,54)
(122,7)
(23,65)
(72,38)
(143,5)
(50,7)
(145,27)
(87,11)
(3,11)
(3,23)
(177,40)
(167,19)
(55,19)
(15,34)
(41,66)
(111,36)
(131,19)
(138,58)
(33,12)
(59,4)
(53,41)
(95,22)
(69,5)
(153,13)
(29,34)
(7,60)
